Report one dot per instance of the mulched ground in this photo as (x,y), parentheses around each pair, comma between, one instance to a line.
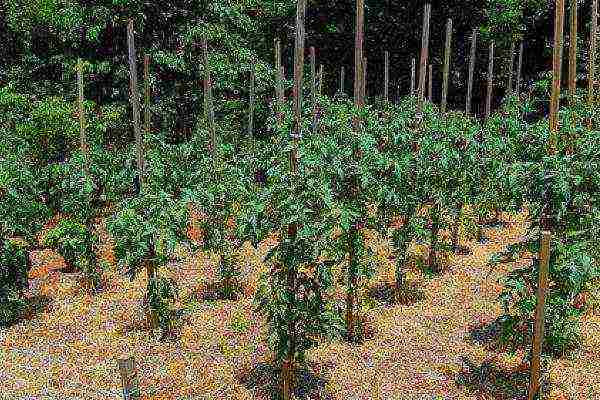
(422,350)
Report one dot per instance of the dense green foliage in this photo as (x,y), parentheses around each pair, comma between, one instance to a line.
(14,267)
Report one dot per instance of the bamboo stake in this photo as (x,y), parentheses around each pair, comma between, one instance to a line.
(279,79)
(252,88)
(573,53)
(592,62)
(146,94)
(519,69)
(135,103)
(511,67)
(127,370)
(386,74)
(538,334)
(82,134)
(208,102)
(321,78)
(358,53)
(447,51)
(430,83)
(424,59)
(490,82)
(364,80)
(471,71)
(557,73)
(413,73)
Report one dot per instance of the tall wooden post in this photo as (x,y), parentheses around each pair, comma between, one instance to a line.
(279,80)
(313,88)
(430,84)
(364,80)
(251,104)
(208,102)
(446,78)
(146,94)
(471,71)
(129,380)
(557,73)
(321,77)
(135,104)
(519,69)
(386,76)
(538,333)
(82,134)
(511,68)
(342,77)
(424,59)
(592,63)
(573,53)
(413,76)
(490,82)
(358,54)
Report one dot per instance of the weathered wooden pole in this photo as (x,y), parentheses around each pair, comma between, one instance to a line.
(424,59)
(519,69)
(288,366)
(131,389)
(146,94)
(364,80)
(313,88)
(252,96)
(135,104)
(208,101)
(511,68)
(538,332)
(279,80)
(557,73)
(446,77)
(82,134)
(386,76)
(592,62)
(430,84)
(471,71)
(413,76)
(358,54)
(490,82)
(342,77)
(573,53)
(321,77)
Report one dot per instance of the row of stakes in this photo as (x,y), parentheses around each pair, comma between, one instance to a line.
(127,365)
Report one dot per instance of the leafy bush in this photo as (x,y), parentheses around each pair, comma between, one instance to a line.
(160,295)
(14,267)
(74,242)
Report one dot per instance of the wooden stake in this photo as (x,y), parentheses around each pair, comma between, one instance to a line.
(430,82)
(364,80)
(146,94)
(573,53)
(251,108)
(279,78)
(321,77)
(413,73)
(82,134)
(519,69)
(386,76)
(538,333)
(208,103)
(135,103)
(131,390)
(592,63)
(490,82)
(298,74)
(342,80)
(471,71)
(511,68)
(313,88)
(557,74)
(424,59)
(446,77)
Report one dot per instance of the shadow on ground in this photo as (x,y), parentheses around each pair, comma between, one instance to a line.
(263,380)
(488,380)
(385,293)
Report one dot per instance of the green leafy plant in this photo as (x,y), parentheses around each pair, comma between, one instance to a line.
(14,266)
